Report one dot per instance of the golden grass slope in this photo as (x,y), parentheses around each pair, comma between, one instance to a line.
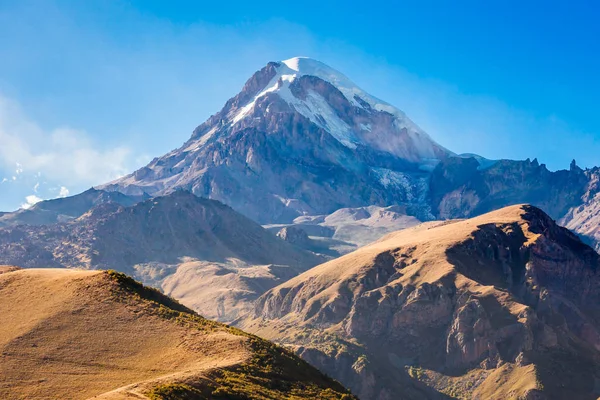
(70,334)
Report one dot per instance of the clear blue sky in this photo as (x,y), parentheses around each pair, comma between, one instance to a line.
(93,89)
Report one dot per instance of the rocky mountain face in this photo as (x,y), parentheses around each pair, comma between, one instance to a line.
(500,306)
(585,218)
(461,188)
(201,251)
(301,139)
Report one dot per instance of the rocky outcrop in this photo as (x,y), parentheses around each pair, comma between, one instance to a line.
(446,306)
(460,188)
(294,235)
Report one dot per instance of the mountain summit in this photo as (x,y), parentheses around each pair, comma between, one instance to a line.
(311,89)
(300,138)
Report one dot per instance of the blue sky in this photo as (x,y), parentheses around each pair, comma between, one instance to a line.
(90,90)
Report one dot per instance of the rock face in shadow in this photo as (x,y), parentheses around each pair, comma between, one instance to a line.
(584,218)
(497,306)
(460,188)
(213,258)
(294,235)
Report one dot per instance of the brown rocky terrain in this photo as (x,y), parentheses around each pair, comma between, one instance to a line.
(75,334)
(202,252)
(501,306)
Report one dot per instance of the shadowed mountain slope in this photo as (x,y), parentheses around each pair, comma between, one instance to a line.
(499,306)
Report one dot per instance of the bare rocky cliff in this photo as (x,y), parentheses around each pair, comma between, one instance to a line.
(498,306)
(584,218)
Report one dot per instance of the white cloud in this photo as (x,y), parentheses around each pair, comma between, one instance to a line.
(60,154)
(64,192)
(30,201)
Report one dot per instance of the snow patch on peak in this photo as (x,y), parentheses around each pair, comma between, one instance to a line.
(316,108)
(294,63)
(308,66)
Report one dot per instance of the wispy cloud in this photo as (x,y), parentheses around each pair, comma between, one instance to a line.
(59,154)
(30,201)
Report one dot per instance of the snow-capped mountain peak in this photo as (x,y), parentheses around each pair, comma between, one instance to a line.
(308,66)
(300,138)
(365,125)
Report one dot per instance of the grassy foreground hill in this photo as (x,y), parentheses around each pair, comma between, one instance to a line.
(74,334)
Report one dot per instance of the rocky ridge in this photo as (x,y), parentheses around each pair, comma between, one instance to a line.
(498,306)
